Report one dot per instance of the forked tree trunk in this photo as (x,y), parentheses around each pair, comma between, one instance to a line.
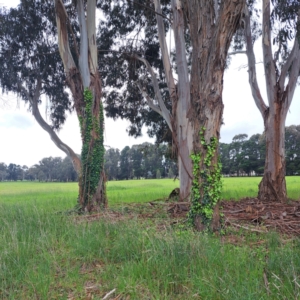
(273,186)
(280,93)
(85,85)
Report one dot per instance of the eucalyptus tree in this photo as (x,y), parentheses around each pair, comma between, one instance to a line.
(30,65)
(280,29)
(36,60)
(186,93)
(80,60)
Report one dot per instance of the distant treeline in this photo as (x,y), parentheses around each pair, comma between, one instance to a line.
(48,169)
(246,157)
(242,157)
(139,161)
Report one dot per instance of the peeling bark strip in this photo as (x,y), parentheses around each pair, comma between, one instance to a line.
(273,184)
(211,34)
(86,79)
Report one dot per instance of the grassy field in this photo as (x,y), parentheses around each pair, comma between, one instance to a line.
(46,254)
(127,191)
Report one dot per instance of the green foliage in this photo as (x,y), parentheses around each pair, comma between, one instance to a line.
(92,154)
(24,69)
(205,195)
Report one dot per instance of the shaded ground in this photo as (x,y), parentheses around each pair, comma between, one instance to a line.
(248,214)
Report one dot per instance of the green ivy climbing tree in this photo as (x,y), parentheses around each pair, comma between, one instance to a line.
(92,154)
(84,82)
(206,187)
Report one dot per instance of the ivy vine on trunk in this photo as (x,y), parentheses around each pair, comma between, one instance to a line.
(92,154)
(206,187)
(83,79)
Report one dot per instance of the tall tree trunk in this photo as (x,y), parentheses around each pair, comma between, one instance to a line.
(92,180)
(181,99)
(85,85)
(273,186)
(280,93)
(207,124)
(211,35)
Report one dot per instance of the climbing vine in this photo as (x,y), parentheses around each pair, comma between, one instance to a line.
(205,195)
(92,153)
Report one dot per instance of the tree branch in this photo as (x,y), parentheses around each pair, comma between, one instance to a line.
(269,64)
(54,137)
(294,74)
(149,100)
(182,65)
(164,111)
(237,52)
(91,27)
(284,70)
(84,49)
(62,32)
(251,66)
(164,51)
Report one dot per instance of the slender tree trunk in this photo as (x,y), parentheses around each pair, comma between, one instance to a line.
(280,93)
(181,104)
(273,186)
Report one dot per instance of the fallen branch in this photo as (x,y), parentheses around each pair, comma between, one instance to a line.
(247,228)
(108,294)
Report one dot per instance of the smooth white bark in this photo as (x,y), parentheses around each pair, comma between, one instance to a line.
(84,47)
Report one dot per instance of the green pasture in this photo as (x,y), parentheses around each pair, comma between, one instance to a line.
(64,195)
(47,254)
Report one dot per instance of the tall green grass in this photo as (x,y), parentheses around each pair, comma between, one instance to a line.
(50,255)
